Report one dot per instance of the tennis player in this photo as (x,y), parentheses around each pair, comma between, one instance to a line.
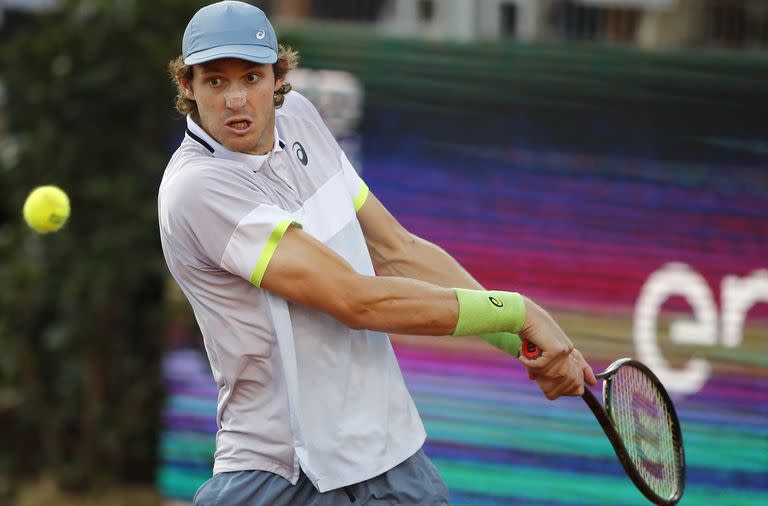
(277,244)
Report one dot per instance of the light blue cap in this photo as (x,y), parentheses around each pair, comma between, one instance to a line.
(229,30)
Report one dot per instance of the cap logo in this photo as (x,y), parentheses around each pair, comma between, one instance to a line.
(260,34)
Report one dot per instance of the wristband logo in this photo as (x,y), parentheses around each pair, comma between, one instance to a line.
(496,302)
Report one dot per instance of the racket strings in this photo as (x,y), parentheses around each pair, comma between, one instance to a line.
(646,427)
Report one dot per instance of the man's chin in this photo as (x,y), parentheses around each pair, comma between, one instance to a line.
(239,145)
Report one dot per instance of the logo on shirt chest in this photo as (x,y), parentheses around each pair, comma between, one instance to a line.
(300,153)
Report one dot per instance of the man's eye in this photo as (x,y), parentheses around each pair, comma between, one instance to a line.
(252,78)
(214,81)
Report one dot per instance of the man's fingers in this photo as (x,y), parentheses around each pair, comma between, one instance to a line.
(566,388)
(546,362)
(559,374)
(586,369)
(589,375)
(573,385)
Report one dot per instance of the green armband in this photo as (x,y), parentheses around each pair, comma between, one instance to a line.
(482,312)
(505,341)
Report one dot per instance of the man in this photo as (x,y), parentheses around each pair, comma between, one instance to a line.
(276,242)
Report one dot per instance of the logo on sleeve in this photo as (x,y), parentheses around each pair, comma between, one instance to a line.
(298,150)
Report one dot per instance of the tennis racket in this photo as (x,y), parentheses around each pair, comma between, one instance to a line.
(642,426)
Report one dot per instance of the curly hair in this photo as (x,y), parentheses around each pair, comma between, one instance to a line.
(287,60)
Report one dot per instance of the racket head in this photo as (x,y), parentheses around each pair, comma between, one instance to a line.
(646,421)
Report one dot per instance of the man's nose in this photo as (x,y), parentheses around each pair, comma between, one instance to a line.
(235,100)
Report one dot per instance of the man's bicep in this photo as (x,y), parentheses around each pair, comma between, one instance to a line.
(305,271)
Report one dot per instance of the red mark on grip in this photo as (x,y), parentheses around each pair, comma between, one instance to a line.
(530,350)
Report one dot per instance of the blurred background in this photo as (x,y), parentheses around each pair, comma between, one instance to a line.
(607,157)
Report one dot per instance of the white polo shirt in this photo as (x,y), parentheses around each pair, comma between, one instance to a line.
(296,386)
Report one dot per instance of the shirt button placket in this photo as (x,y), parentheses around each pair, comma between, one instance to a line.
(281,170)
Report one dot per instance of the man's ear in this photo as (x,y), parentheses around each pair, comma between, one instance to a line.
(185,85)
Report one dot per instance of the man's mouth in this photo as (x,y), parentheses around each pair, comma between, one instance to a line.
(239,125)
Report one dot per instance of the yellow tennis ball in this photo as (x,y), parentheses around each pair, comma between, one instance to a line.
(46,209)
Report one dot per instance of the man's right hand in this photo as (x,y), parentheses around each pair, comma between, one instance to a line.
(560,369)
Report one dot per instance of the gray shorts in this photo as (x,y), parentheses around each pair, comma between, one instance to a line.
(413,482)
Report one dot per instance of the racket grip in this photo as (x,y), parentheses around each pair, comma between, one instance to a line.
(530,350)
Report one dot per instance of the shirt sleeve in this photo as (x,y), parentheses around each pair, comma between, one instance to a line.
(233,224)
(253,242)
(356,187)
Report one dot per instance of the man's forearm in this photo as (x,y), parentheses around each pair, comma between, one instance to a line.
(420,259)
(423,260)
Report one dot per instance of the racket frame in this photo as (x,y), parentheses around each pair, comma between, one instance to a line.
(605,418)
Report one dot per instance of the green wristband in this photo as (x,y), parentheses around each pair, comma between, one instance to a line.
(486,312)
(505,341)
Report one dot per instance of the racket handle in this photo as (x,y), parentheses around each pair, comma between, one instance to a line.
(530,350)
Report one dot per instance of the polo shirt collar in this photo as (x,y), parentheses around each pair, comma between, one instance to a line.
(217,150)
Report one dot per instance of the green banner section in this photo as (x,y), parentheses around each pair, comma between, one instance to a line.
(575,76)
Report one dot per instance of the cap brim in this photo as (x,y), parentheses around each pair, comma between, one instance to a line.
(255,54)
